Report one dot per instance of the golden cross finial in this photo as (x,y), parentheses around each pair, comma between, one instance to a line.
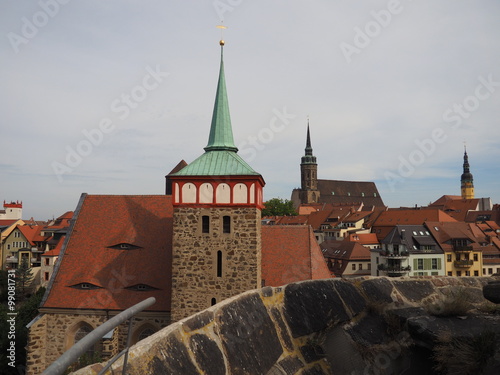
(222,27)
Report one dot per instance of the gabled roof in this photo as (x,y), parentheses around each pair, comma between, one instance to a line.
(349,192)
(444,232)
(389,219)
(363,238)
(456,207)
(413,237)
(290,254)
(346,251)
(57,250)
(102,221)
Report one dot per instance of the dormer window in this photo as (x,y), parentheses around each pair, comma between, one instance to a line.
(85,286)
(124,246)
(141,287)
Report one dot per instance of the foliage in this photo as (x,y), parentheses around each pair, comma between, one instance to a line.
(464,356)
(454,302)
(24,276)
(278,207)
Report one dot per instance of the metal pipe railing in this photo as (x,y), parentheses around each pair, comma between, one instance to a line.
(72,354)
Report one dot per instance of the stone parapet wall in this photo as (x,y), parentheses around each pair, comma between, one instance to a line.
(333,326)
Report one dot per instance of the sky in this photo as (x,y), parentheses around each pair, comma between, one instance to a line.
(106,97)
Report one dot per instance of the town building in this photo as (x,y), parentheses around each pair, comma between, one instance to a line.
(462,249)
(336,192)
(347,258)
(408,250)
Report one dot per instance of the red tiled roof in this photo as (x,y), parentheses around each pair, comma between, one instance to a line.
(5,222)
(289,254)
(57,250)
(389,219)
(364,238)
(108,220)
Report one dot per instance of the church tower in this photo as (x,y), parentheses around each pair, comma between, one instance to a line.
(309,192)
(467,182)
(217,203)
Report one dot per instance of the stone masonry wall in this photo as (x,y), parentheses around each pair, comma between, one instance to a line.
(194,267)
(295,329)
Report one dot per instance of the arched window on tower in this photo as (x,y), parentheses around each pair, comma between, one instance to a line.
(213,301)
(219,263)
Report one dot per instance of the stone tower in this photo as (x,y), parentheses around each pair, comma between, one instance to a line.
(217,203)
(309,192)
(467,182)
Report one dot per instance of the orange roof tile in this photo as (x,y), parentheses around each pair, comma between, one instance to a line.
(106,220)
(290,254)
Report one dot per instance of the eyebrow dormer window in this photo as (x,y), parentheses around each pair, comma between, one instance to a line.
(141,287)
(85,286)
(124,246)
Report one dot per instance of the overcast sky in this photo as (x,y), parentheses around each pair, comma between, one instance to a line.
(106,97)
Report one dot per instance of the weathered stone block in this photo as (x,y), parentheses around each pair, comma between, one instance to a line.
(491,291)
(207,354)
(248,336)
(175,361)
(378,290)
(312,306)
(351,296)
(414,290)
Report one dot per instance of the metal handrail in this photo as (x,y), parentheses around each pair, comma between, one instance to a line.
(76,351)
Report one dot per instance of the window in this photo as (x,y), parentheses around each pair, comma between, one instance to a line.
(219,263)
(490,271)
(420,264)
(46,276)
(476,273)
(360,266)
(226,224)
(459,273)
(80,333)
(47,261)
(376,260)
(213,301)
(467,273)
(353,267)
(450,273)
(205,224)
(448,257)
(434,263)
(145,333)
(475,257)
(369,266)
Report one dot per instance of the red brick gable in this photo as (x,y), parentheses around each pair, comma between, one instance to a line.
(143,221)
(289,254)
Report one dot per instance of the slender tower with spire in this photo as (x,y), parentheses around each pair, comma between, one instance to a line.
(308,174)
(217,203)
(467,181)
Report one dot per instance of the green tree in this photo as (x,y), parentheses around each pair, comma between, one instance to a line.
(278,207)
(24,276)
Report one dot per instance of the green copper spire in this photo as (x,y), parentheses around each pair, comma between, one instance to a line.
(220,157)
(221,132)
